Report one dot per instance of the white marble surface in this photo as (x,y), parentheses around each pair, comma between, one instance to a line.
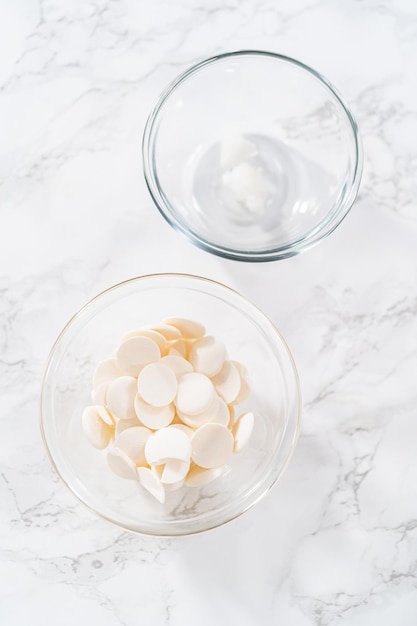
(335,542)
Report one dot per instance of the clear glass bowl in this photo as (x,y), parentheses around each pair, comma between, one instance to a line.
(93,334)
(293,133)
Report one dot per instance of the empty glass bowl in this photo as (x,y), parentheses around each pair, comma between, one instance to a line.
(252,155)
(94,333)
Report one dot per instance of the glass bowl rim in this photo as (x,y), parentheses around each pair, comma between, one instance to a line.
(325,227)
(50,360)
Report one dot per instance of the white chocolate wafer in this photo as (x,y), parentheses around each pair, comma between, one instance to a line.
(198,476)
(121,397)
(99,394)
(121,464)
(169,332)
(177,364)
(227,382)
(105,372)
(150,481)
(212,445)
(195,393)
(242,430)
(188,328)
(136,352)
(150,333)
(207,355)
(153,417)
(208,415)
(124,424)
(174,471)
(157,384)
(132,442)
(185,429)
(98,433)
(222,415)
(167,444)
(105,415)
(245,389)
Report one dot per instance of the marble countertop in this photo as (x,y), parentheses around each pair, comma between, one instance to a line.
(335,542)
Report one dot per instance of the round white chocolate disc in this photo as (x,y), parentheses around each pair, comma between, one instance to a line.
(207,355)
(166,444)
(98,433)
(158,470)
(227,382)
(188,328)
(169,332)
(150,481)
(132,442)
(208,415)
(154,417)
(121,397)
(195,393)
(242,430)
(177,364)
(150,333)
(124,424)
(222,416)
(217,413)
(99,394)
(157,384)
(185,429)
(105,372)
(212,445)
(136,352)
(105,415)
(174,471)
(245,389)
(198,476)
(121,464)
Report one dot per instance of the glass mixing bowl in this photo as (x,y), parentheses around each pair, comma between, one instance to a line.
(94,333)
(252,155)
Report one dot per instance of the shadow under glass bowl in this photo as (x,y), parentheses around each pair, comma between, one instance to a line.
(252,155)
(93,334)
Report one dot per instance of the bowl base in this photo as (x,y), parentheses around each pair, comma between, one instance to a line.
(259,198)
